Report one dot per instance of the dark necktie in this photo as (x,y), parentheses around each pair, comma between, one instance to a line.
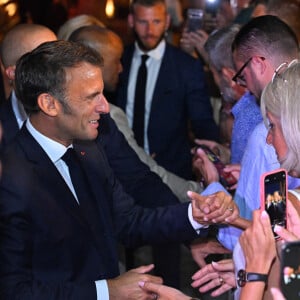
(139,102)
(80,184)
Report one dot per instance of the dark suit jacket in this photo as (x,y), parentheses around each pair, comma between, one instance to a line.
(47,249)
(179,96)
(145,186)
(8,122)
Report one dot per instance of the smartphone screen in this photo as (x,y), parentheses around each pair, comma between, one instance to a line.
(274,197)
(290,270)
(194,19)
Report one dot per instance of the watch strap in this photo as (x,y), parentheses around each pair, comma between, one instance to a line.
(244,277)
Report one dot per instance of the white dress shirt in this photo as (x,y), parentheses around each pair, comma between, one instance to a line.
(153,64)
(18,109)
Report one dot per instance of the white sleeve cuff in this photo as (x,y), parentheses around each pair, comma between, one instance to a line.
(102,290)
(197,226)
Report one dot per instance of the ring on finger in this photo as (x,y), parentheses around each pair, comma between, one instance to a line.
(230,209)
(221,280)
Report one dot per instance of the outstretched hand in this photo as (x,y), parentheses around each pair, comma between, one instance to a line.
(218,275)
(204,168)
(126,286)
(162,292)
(203,247)
(221,151)
(216,208)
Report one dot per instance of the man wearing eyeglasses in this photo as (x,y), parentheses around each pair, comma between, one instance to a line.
(260,49)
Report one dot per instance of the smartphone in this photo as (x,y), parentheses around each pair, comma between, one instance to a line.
(290,270)
(194,19)
(273,192)
(226,179)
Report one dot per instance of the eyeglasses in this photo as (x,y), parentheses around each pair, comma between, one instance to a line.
(238,78)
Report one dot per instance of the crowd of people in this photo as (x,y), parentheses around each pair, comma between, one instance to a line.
(102,145)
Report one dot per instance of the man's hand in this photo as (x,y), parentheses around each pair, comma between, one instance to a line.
(201,248)
(163,292)
(216,208)
(235,170)
(126,286)
(217,274)
(220,150)
(204,168)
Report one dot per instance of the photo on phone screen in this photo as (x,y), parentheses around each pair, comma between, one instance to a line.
(274,191)
(290,270)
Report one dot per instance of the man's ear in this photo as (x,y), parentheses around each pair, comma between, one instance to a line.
(48,104)
(10,72)
(130,20)
(260,64)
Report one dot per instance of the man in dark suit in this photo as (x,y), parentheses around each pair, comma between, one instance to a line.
(175,93)
(50,247)
(143,185)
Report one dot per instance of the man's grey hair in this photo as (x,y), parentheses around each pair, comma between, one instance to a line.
(218,47)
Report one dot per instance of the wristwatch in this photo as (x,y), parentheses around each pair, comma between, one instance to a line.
(243,277)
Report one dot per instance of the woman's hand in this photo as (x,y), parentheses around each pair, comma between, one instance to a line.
(258,244)
(217,274)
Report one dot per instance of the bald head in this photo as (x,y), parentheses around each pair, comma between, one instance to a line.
(108,45)
(101,39)
(21,39)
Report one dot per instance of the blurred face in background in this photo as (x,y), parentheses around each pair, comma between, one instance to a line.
(149,24)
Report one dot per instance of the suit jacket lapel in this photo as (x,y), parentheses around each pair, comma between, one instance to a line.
(96,172)
(165,80)
(44,168)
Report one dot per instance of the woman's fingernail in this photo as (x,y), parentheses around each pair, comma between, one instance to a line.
(141,283)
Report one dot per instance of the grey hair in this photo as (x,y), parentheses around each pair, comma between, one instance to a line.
(281,97)
(218,47)
(74,23)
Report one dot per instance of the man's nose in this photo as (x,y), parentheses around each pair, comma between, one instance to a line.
(103,105)
(150,28)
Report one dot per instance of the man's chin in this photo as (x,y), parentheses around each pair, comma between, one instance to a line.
(146,46)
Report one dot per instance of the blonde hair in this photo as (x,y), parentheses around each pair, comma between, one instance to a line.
(72,24)
(281,97)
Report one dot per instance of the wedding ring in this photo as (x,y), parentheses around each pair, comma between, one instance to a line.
(230,209)
(221,280)
(155,296)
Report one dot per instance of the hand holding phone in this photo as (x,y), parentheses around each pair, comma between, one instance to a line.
(226,179)
(273,191)
(290,270)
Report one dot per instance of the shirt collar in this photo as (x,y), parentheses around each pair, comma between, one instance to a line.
(18,109)
(156,53)
(53,149)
